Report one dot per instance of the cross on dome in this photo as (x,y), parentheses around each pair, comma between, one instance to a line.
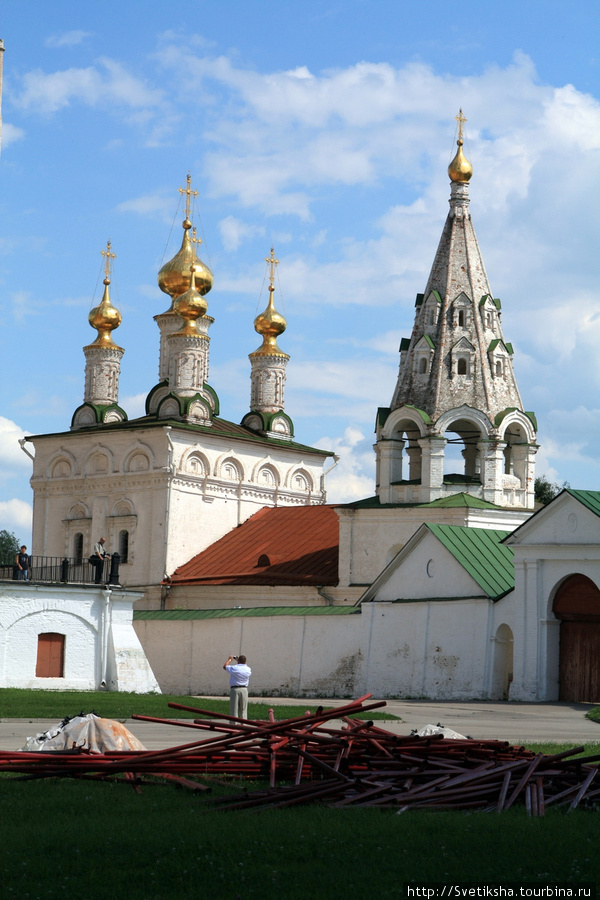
(107,264)
(272,263)
(461,121)
(189,194)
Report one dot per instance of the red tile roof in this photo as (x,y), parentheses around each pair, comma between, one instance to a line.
(294,545)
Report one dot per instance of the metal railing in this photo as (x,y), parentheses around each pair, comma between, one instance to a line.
(61,570)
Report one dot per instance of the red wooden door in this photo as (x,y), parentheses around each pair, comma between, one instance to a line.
(50,655)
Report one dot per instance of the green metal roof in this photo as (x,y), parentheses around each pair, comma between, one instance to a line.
(256,612)
(480,553)
(218,428)
(591,499)
(461,499)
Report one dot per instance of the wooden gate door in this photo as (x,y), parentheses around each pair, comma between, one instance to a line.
(50,655)
(577,605)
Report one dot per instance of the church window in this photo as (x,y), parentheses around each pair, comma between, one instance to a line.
(263,560)
(432,316)
(78,547)
(124,545)
(462,368)
(422,366)
(499,367)
(50,655)
(461,318)
(489,320)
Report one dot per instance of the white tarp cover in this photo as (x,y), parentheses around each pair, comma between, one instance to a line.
(428,730)
(88,731)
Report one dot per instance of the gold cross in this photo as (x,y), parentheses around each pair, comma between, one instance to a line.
(461,121)
(109,255)
(189,194)
(195,238)
(272,263)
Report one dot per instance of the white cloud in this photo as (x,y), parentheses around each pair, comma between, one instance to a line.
(353,475)
(11,454)
(11,134)
(104,84)
(158,205)
(234,231)
(67,39)
(16,516)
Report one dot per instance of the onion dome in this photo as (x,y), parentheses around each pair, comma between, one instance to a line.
(190,306)
(105,318)
(270,324)
(460,169)
(174,277)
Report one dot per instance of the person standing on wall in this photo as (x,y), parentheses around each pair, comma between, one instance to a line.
(97,559)
(22,564)
(239,678)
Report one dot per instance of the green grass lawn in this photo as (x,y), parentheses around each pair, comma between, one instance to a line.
(16,703)
(65,838)
(68,837)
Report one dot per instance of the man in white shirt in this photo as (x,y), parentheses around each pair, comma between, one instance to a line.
(239,677)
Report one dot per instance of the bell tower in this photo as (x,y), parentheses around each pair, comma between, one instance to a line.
(456,422)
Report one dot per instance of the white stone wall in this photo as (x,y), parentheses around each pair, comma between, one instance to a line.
(561,540)
(436,650)
(174,491)
(370,538)
(101,647)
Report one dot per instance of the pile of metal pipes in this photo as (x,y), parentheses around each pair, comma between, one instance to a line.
(310,758)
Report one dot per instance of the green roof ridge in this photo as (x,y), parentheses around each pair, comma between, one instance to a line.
(461,499)
(182,615)
(481,553)
(590,499)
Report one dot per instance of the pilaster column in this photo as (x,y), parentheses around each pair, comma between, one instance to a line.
(432,464)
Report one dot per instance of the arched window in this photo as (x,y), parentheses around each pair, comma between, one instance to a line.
(422,366)
(461,318)
(78,547)
(124,545)
(499,367)
(50,655)
(461,368)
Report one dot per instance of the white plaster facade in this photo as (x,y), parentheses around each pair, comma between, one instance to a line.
(174,489)
(561,540)
(425,628)
(101,648)
(370,537)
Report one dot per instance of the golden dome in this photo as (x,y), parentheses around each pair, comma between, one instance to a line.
(105,318)
(190,306)
(460,169)
(270,323)
(174,277)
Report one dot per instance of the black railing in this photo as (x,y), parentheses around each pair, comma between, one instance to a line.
(54,569)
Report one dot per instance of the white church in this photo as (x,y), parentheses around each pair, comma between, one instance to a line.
(443,585)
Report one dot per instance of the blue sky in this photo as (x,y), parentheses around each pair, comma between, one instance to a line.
(325,129)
